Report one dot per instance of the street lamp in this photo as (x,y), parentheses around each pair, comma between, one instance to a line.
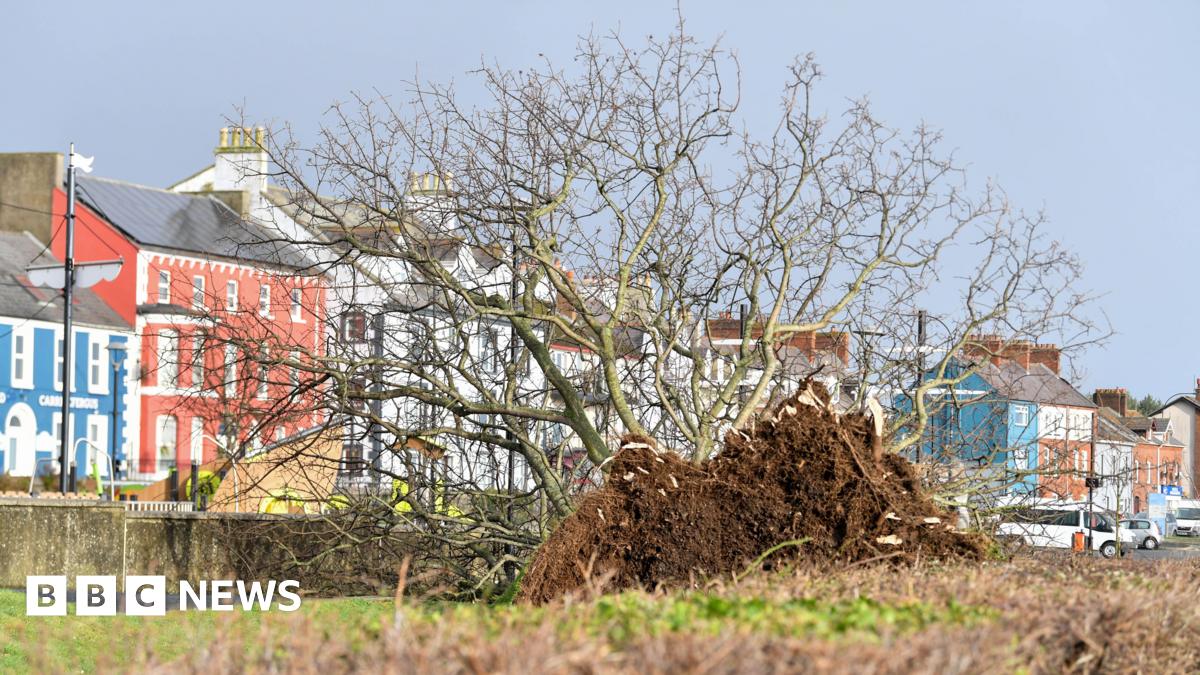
(116,352)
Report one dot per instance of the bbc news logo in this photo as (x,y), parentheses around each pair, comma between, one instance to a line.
(147,595)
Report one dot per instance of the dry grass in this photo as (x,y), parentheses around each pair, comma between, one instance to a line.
(1040,615)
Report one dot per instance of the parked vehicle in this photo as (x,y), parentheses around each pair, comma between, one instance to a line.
(1145,532)
(1056,526)
(1168,520)
(1187,512)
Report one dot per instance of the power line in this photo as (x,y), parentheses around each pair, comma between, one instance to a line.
(30,209)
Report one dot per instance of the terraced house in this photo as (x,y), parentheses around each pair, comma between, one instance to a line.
(31,372)
(201,289)
(1015,419)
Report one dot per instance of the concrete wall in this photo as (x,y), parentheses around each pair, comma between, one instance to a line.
(39,536)
(28,179)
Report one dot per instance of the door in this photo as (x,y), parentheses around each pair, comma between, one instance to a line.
(20,428)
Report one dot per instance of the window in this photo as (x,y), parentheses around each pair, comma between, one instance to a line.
(197,292)
(97,368)
(167,436)
(264,299)
(1020,416)
(230,371)
(354,327)
(263,374)
(164,287)
(293,371)
(198,361)
(231,295)
(168,359)
(22,357)
(352,457)
(97,435)
(197,440)
(56,427)
(297,296)
(58,362)
(1067,519)
(491,351)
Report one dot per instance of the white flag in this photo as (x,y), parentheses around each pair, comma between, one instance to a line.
(80,162)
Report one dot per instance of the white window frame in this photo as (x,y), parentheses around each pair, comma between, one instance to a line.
(160,424)
(264,374)
(198,350)
(58,363)
(1020,415)
(167,349)
(22,359)
(56,429)
(297,309)
(264,299)
(198,292)
(230,374)
(97,433)
(231,295)
(164,287)
(97,366)
(196,440)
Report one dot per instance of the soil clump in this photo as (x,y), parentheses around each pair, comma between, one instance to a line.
(803,471)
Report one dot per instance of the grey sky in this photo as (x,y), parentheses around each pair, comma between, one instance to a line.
(1085,109)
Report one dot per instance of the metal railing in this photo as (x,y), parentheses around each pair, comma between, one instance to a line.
(159,506)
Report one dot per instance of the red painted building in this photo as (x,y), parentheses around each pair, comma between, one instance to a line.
(220,316)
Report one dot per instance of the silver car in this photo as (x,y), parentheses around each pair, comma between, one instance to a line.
(1168,520)
(1145,533)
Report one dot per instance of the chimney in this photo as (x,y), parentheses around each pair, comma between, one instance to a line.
(27,182)
(430,196)
(240,161)
(1117,399)
(1048,355)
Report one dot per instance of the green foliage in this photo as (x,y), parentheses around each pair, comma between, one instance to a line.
(1145,405)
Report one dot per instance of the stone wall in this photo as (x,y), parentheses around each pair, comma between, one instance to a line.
(70,537)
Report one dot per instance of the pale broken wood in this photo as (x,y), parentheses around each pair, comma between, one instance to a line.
(874,412)
(890,540)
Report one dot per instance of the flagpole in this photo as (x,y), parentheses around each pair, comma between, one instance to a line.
(68,286)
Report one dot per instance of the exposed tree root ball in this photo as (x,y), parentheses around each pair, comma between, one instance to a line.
(802,472)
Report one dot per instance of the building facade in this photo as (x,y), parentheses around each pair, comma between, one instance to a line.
(31,387)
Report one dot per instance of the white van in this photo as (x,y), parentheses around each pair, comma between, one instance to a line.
(1055,527)
(1187,513)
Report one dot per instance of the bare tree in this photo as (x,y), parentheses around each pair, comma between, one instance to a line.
(516,282)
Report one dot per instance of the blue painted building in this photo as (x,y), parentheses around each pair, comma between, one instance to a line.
(31,371)
(1003,418)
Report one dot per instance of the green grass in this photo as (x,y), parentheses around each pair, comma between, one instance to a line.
(80,644)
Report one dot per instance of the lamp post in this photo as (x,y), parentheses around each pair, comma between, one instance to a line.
(116,351)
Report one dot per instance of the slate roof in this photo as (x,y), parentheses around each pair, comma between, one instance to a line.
(1111,427)
(188,223)
(23,300)
(1039,384)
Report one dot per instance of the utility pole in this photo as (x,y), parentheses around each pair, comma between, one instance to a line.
(513,355)
(68,287)
(65,277)
(922,319)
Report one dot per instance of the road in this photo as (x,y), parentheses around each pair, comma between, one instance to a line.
(1175,548)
